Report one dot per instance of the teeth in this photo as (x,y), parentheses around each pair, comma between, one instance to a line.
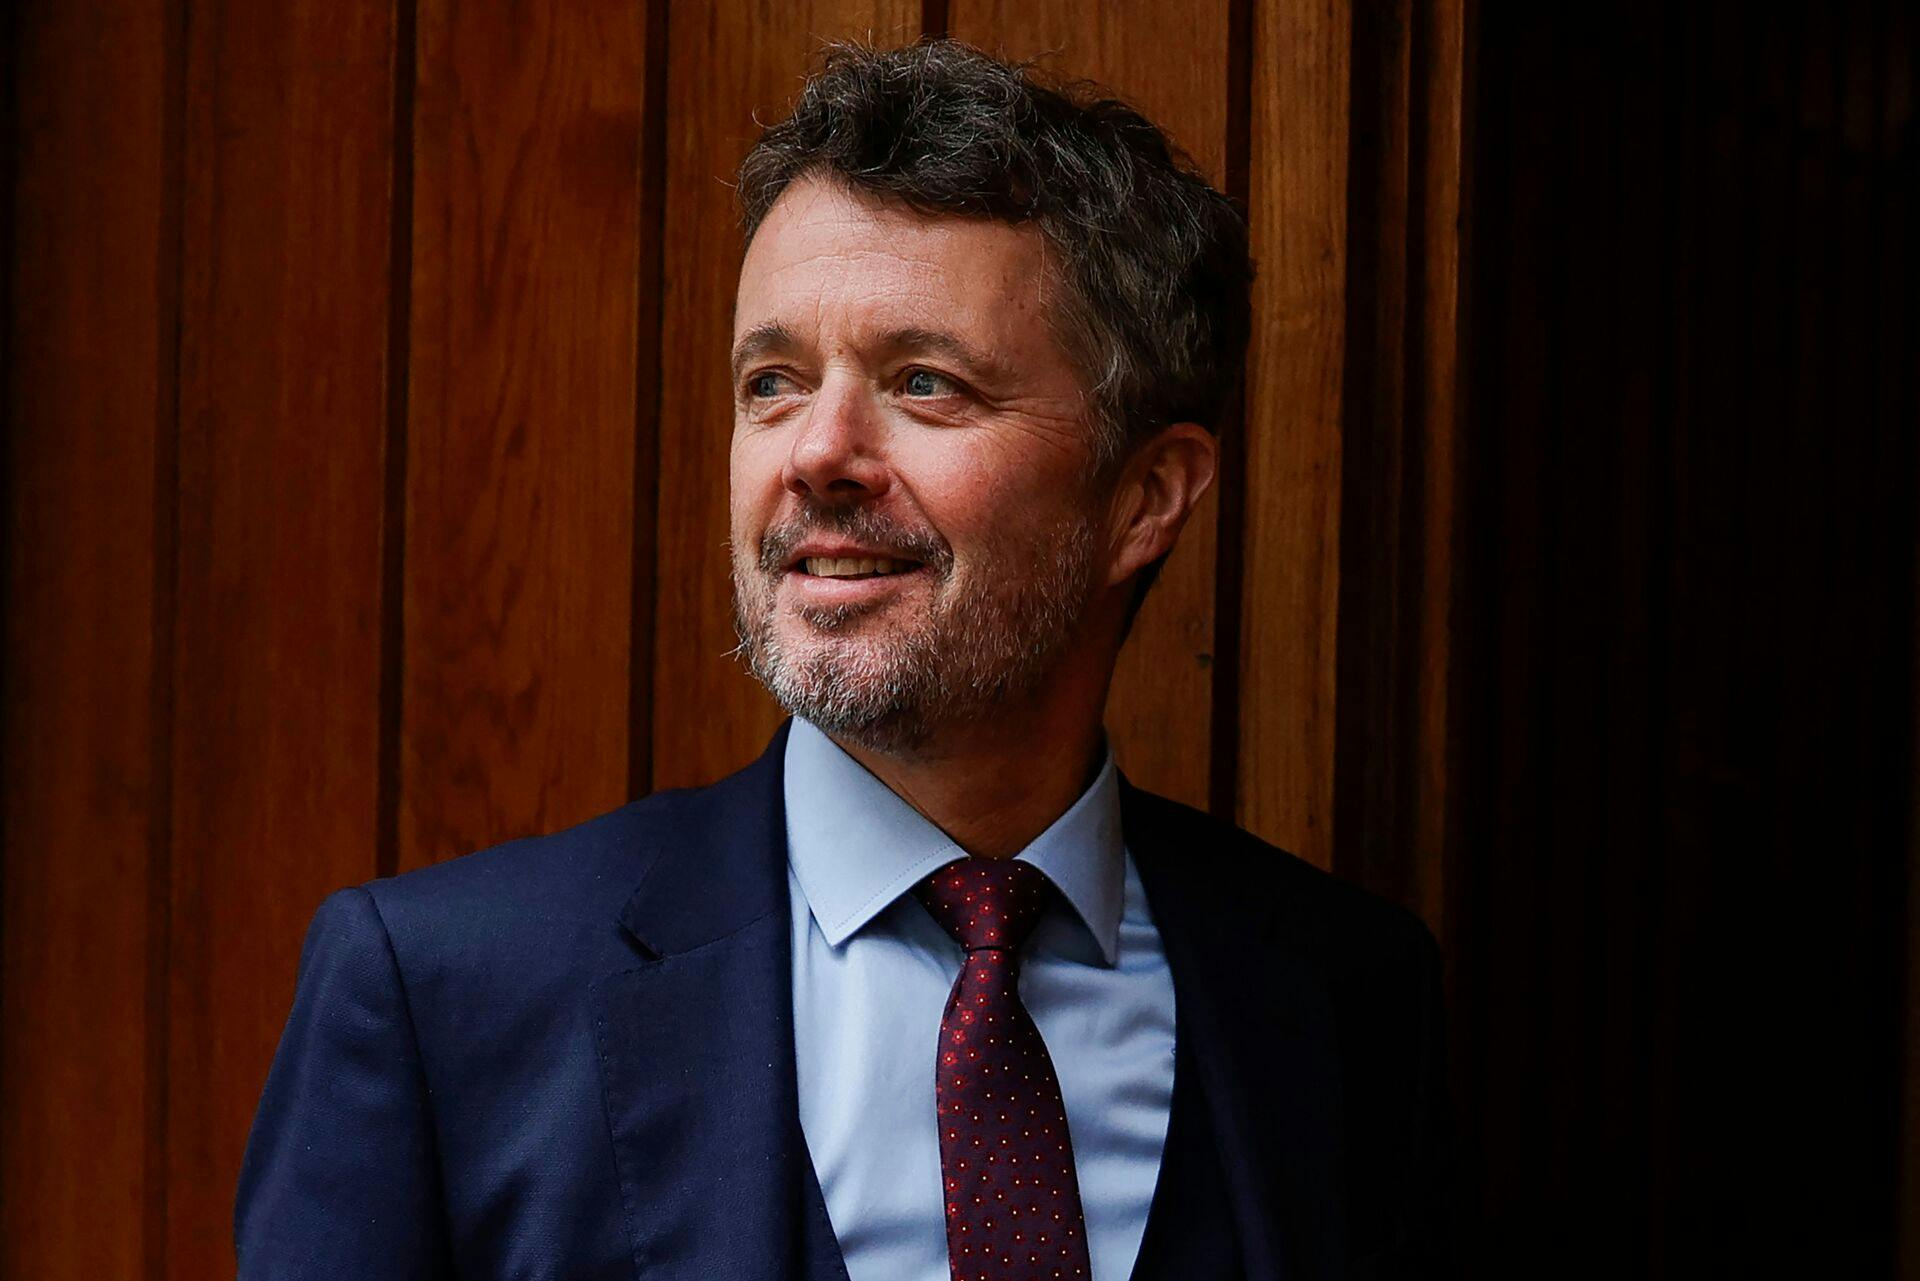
(848,566)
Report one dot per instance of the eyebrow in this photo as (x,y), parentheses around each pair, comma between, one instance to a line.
(772,336)
(763,338)
(942,343)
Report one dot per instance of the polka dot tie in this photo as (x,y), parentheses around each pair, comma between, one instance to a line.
(1012,1200)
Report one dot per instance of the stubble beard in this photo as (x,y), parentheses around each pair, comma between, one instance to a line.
(891,684)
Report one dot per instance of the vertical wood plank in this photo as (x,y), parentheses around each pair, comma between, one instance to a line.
(1393,789)
(1440,179)
(284,323)
(729,65)
(1171,62)
(526,380)
(1290,590)
(90,408)
(1377,458)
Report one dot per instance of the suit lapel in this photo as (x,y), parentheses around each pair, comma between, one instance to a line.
(1190,1231)
(1260,1014)
(696,1046)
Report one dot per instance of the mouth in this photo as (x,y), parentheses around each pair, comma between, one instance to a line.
(854,568)
(857,582)
(842,562)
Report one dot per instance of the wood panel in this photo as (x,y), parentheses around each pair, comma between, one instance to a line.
(730,63)
(1291,549)
(1400,419)
(88,451)
(526,382)
(1379,507)
(1433,412)
(284,335)
(1172,62)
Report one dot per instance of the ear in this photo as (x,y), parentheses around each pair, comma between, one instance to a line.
(1160,485)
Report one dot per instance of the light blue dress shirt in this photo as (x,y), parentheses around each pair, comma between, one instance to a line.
(871,975)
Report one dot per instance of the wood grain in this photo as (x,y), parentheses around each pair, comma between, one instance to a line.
(524,394)
(1171,62)
(90,412)
(730,65)
(1380,457)
(1400,422)
(284,322)
(1291,553)
(1435,406)
(1372,718)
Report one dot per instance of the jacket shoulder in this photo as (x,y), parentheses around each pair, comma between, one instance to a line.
(578,868)
(556,895)
(1308,906)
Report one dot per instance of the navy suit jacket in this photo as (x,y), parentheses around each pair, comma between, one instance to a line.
(572,1057)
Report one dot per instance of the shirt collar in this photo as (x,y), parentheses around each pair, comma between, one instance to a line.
(855,847)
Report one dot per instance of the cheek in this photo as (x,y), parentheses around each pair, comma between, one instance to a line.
(753,478)
(983,503)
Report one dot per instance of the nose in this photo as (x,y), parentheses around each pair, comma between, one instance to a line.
(836,453)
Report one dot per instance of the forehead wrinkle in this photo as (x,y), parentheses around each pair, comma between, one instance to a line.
(904,283)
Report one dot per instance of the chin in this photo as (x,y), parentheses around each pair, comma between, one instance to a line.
(827,662)
(852,701)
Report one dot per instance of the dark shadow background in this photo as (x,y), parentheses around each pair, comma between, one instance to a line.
(1687,815)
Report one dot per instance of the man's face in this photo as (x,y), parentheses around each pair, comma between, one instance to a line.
(914,521)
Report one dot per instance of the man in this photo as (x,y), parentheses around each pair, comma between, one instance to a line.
(928,991)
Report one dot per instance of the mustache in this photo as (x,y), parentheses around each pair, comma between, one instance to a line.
(863,525)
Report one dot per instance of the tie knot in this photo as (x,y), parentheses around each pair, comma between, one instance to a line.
(986,902)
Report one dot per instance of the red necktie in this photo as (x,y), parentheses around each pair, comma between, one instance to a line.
(1013,1202)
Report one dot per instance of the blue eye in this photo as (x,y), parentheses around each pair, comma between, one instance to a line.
(764,385)
(924,382)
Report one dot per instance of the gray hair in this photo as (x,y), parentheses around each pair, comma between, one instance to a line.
(1154,260)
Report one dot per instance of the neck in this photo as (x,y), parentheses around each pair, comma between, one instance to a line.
(995,782)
